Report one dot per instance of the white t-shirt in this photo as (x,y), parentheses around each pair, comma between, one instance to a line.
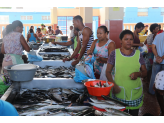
(72,34)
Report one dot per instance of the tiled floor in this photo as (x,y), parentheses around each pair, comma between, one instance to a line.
(150,104)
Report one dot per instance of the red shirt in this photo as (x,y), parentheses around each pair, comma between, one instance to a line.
(160,31)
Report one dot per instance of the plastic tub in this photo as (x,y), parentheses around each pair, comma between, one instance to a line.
(95,91)
(21,75)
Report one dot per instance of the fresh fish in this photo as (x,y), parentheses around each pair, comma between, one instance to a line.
(67,91)
(52,90)
(76,92)
(34,113)
(100,113)
(51,107)
(117,112)
(59,114)
(103,101)
(105,105)
(49,102)
(64,96)
(57,97)
(77,108)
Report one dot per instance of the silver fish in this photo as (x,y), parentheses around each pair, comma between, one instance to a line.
(103,101)
(64,95)
(76,92)
(49,102)
(59,114)
(106,105)
(67,91)
(51,107)
(77,108)
(34,113)
(52,90)
(57,96)
(117,112)
(100,113)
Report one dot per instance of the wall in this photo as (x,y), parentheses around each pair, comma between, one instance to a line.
(102,16)
(37,17)
(116,14)
(154,15)
(67,12)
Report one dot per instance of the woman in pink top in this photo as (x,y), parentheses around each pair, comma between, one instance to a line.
(13,45)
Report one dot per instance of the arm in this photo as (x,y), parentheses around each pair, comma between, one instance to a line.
(86,34)
(111,47)
(36,36)
(145,42)
(28,36)
(116,88)
(24,44)
(2,49)
(68,43)
(90,51)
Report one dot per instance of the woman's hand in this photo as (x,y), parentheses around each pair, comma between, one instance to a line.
(99,59)
(89,52)
(67,59)
(75,62)
(134,75)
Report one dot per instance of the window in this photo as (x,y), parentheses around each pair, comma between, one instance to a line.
(4,19)
(26,17)
(162,11)
(48,17)
(19,7)
(143,11)
(44,17)
(29,17)
(155,7)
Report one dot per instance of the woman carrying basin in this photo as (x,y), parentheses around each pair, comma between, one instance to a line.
(13,45)
(129,68)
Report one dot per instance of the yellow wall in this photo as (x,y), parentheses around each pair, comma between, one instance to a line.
(88,14)
(102,15)
(96,12)
(54,15)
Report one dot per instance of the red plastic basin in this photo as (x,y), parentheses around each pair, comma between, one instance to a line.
(95,91)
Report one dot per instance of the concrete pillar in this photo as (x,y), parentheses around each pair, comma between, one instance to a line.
(114,23)
(54,18)
(87,13)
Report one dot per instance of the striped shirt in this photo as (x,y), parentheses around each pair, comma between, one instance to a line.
(89,42)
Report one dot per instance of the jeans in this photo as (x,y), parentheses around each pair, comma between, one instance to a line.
(156,68)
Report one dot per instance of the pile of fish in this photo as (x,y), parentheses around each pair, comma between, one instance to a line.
(101,85)
(52,102)
(53,56)
(53,72)
(54,49)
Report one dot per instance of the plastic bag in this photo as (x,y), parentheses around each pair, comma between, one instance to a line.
(79,76)
(103,73)
(143,49)
(32,58)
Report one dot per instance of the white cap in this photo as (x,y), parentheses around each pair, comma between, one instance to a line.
(159,81)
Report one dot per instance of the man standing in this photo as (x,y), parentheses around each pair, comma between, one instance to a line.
(158,63)
(85,39)
(57,31)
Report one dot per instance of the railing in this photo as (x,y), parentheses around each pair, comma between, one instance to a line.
(131,26)
(25,29)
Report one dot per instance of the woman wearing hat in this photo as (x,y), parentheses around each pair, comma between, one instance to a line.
(129,68)
(43,29)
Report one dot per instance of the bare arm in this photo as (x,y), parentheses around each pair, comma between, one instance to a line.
(86,34)
(28,36)
(116,88)
(24,44)
(68,43)
(90,51)
(2,49)
(111,47)
(36,36)
(145,42)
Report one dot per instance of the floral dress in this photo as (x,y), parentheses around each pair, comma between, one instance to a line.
(100,52)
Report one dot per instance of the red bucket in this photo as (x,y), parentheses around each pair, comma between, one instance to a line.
(95,91)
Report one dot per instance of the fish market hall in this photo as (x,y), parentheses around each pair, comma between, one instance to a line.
(49,73)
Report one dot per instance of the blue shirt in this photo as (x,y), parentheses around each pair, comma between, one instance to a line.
(6,109)
(32,38)
(159,43)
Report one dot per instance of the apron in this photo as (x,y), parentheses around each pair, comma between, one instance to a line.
(131,90)
(3,87)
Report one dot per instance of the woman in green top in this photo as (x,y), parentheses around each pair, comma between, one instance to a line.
(73,40)
(129,68)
